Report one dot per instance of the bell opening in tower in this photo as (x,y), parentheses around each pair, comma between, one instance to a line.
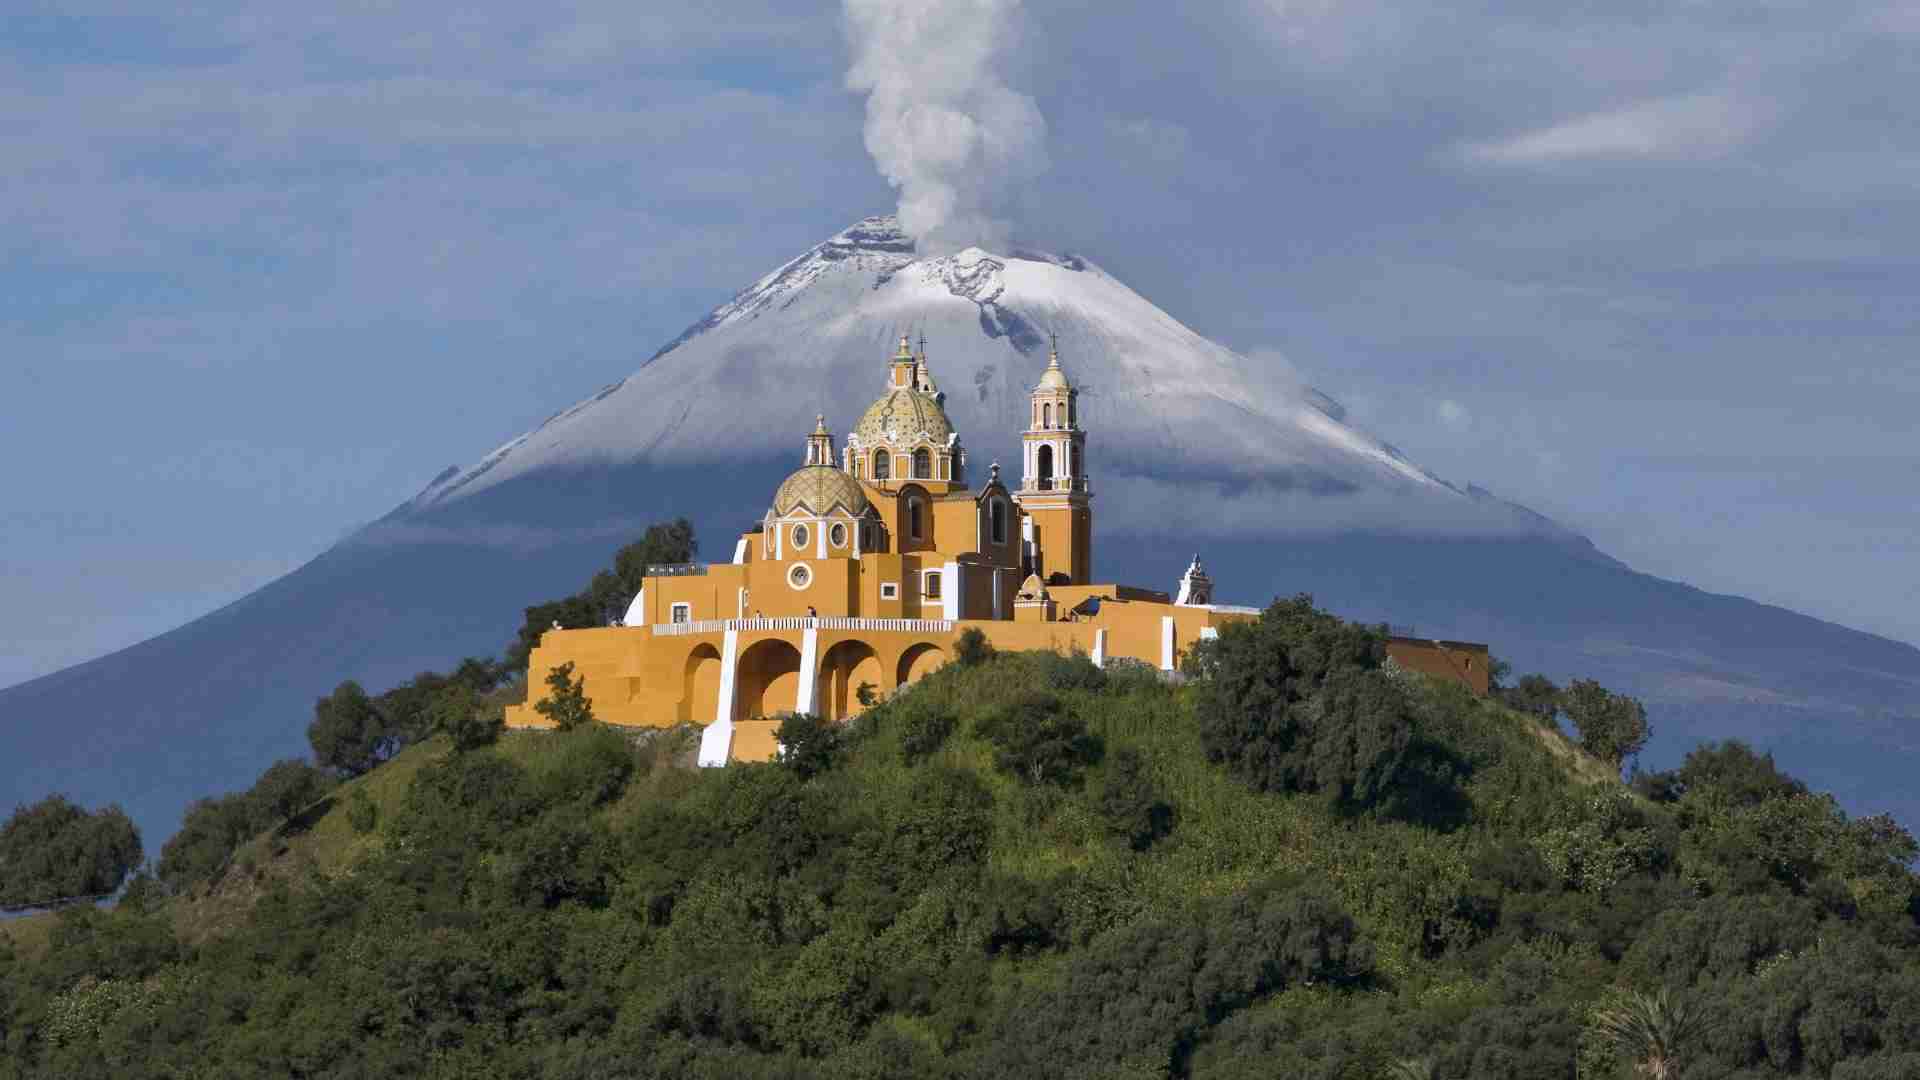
(1045,467)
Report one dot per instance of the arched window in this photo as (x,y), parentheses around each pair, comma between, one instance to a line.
(922,464)
(1046,416)
(997,520)
(882,464)
(1045,466)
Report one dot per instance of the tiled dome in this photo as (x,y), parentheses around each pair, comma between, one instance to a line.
(819,489)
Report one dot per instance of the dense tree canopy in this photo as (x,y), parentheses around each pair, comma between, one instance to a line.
(55,850)
(1302,862)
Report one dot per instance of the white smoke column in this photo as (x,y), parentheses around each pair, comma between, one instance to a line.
(942,126)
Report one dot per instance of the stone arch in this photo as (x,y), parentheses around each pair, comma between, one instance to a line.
(767,678)
(700,685)
(844,667)
(919,661)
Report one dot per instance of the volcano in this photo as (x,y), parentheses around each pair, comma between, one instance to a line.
(1191,447)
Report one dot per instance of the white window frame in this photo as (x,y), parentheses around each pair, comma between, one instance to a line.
(800,577)
(800,536)
(889,590)
(837,534)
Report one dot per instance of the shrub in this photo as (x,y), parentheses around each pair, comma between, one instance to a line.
(1072,671)
(972,649)
(1133,809)
(458,713)
(1038,741)
(809,744)
(363,814)
(924,728)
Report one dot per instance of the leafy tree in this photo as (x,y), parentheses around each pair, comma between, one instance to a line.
(458,712)
(1533,694)
(1134,810)
(1295,701)
(216,827)
(606,597)
(285,789)
(1038,740)
(348,734)
(809,744)
(663,544)
(1612,727)
(972,648)
(55,850)
(566,702)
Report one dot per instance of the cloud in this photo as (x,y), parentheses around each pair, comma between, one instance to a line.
(1696,126)
(1453,416)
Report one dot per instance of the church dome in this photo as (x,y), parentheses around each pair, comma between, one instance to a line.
(906,414)
(819,489)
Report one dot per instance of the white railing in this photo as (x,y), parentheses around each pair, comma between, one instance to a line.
(720,626)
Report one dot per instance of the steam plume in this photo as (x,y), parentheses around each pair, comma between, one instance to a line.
(942,125)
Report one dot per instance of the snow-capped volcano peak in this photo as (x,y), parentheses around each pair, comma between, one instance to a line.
(1164,407)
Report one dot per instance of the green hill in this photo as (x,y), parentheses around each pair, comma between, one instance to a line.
(1299,863)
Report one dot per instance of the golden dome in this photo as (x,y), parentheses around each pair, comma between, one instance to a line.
(819,489)
(906,413)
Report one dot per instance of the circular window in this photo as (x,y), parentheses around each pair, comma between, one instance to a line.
(800,577)
(838,535)
(800,536)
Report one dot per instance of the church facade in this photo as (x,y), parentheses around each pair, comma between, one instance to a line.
(872,558)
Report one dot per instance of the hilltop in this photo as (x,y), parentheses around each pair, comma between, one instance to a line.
(1022,866)
(1192,446)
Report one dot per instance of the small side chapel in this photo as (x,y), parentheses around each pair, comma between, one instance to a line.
(869,562)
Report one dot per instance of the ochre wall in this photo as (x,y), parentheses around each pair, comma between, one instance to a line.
(634,677)
(1463,662)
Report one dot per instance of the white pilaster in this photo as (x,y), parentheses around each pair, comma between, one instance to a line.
(1099,648)
(820,542)
(740,551)
(717,739)
(1166,643)
(950,599)
(809,669)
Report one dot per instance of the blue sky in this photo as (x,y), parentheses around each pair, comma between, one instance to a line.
(268,268)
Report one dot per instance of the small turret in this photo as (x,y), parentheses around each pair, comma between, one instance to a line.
(820,443)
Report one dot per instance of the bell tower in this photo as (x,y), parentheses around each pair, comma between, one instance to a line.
(1053,484)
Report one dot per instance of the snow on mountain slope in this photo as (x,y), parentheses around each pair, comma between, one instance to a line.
(1160,401)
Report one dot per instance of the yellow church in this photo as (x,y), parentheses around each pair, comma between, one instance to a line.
(871,560)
